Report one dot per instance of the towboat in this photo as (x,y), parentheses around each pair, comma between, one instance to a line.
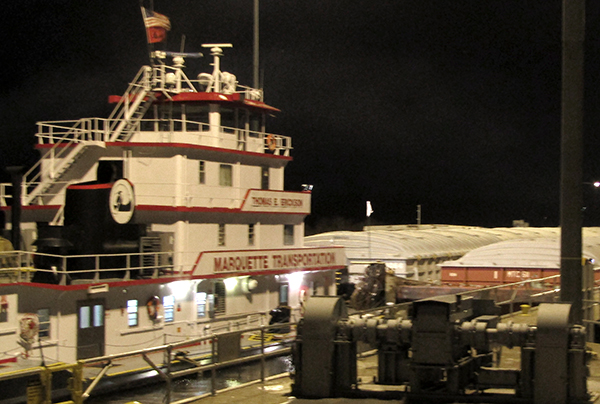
(158,223)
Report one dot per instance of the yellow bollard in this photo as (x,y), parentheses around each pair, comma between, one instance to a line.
(525,309)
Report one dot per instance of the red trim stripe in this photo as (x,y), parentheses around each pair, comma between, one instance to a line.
(210,98)
(91,186)
(185,209)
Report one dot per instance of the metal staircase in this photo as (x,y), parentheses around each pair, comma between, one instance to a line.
(48,176)
(128,113)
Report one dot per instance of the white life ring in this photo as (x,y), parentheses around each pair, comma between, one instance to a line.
(29,327)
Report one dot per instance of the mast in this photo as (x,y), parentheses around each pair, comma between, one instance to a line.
(572,155)
(255,79)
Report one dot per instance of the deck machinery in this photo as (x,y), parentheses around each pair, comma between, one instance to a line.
(445,349)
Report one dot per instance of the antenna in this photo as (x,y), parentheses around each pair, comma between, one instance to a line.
(182,43)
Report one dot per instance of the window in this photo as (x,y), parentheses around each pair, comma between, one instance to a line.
(132,313)
(44,319)
(85,317)
(91,316)
(283,294)
(3,309)
(264,183)
(98,315)
(196,118)
(288,234)
(255,124)
(169,307)
(202,172)
(201,298)
(225,175)
(228,120)
(251,234)
(221,234)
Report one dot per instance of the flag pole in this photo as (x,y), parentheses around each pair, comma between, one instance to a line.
(150,46)
(255,69)
(369,213)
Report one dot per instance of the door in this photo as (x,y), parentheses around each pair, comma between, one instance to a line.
(90,328)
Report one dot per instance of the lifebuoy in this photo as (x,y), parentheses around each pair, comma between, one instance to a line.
(29,326)
(271,142)
(152,306)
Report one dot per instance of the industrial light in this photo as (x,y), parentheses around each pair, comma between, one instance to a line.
(230,283)
(180,289)
(295,278)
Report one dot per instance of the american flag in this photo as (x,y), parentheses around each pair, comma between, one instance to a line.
(156,24)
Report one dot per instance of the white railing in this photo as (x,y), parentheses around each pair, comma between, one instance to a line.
(18,266)
(91,129)
(98,130)
(173,80)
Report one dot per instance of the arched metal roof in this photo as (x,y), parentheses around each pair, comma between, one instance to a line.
(407,242)
(421,242)
(525,253)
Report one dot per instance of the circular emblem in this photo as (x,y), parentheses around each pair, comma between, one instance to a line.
(122,201)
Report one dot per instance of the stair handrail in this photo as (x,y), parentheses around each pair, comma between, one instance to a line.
(141,83)
(55,153)
(61,148)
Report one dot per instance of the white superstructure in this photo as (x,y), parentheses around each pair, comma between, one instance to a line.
(151,223)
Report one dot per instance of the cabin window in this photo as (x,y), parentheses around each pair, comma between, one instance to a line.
(169,308)
(284,294)
(255,124)
(91,316)
(251,234)
(202,172)
(264,178)
(201,300)
(221,234)
(288,234)
(226,175)
(3,309)
(132,313)
(44,321)
(98,315)
(85,317)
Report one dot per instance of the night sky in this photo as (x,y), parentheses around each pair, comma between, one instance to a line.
(453,105)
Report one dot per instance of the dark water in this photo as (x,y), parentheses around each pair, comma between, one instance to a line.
(197,385)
